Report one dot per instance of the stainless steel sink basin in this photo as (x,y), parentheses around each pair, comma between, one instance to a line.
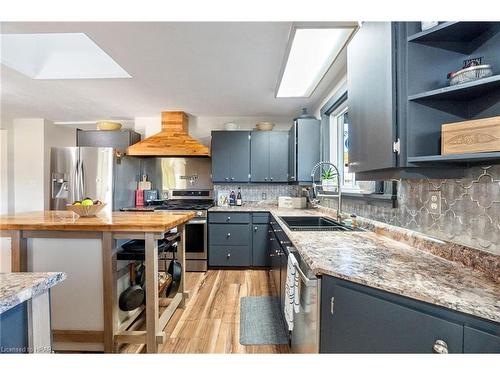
(315,223)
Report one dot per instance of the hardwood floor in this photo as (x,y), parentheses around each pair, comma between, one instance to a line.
(210,322)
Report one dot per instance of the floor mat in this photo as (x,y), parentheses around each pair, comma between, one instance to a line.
(261,321)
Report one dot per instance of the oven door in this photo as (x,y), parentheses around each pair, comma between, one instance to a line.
(195,239)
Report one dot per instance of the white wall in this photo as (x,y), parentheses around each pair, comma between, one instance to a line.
(4,194)
(28,164)
(32,141)
(200,127)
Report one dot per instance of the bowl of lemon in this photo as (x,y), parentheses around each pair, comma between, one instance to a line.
(86,207)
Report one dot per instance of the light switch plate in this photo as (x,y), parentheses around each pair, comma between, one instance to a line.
(435,202)
(264,196)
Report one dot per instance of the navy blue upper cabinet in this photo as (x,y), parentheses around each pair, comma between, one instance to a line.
(303,149)
(269,156)
(230,156)
(372,96)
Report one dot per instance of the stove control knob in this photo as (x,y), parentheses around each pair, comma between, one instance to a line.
(199,213)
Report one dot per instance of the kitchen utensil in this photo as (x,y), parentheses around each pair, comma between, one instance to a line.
(132,297)
(231,126)
(265,126)
(469,74)
(109,125)
(175,270)
(86,211)
(144,184)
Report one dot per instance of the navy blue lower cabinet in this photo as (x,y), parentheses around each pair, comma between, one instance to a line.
(359,319)
(14,330)
(260,249)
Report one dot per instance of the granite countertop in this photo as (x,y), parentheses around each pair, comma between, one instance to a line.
(377,261)
(18,287)
(103,222)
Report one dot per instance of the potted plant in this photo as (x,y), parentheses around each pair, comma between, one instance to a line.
(328,178)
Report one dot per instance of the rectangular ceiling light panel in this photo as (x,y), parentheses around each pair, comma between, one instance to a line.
(311,54)
(58,56)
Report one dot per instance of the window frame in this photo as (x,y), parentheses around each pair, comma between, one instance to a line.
(339,99)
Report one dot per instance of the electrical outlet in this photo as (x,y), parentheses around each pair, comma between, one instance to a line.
(264,196)
(435,202)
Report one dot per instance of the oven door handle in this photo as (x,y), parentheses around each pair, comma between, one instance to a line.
(197,221)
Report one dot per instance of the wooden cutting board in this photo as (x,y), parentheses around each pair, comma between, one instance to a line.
(471,136)
(144,184)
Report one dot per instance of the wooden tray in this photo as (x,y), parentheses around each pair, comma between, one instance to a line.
(471,136)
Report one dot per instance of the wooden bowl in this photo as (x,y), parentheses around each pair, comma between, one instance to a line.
(86,211)
(108,125)
(265,126)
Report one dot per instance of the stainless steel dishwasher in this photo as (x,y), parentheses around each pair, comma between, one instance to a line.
(305,333)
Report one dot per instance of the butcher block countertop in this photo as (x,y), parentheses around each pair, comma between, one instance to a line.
(103,222)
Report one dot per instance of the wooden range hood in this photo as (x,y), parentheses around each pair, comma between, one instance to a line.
(173,140)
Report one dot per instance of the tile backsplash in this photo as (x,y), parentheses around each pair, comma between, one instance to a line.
(470,208)
(259,192)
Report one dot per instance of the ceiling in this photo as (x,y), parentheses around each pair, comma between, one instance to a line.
(204,69)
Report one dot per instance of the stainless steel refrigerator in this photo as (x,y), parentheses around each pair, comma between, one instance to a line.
(95,172)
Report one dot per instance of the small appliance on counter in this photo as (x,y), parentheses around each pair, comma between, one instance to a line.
(150,196)
(292,202)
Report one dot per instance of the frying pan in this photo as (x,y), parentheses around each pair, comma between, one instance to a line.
(132,297)
(174,269)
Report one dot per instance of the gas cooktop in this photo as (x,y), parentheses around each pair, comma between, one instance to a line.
(183,204)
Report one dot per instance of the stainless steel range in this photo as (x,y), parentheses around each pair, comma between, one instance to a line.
(196,229)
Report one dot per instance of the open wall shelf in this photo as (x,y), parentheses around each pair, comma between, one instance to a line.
(461,37)
(472,158)
(430,55)
(462,92)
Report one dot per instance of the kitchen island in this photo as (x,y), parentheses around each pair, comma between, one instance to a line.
(25,311)
(106,228)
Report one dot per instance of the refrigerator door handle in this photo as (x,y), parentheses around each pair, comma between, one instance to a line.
(82,180)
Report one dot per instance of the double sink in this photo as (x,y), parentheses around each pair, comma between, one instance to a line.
(315,223)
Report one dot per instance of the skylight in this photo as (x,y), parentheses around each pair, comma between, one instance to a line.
(311,54)
(58,56)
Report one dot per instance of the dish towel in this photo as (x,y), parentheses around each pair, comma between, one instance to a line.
(290,289)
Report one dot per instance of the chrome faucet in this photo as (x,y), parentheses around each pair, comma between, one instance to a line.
(313,193)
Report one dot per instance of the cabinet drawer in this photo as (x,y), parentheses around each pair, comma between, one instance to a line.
(476,341)
(228,234)
(260,218)
(229,217)
(364,323)
(229,256)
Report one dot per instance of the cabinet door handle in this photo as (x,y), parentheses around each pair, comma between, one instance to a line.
(228,255)
(271,178)
(332,304)
(228,235)
(226,178)
(255,229)
(232,178)
(228,218)
(265,178)
(440,347)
